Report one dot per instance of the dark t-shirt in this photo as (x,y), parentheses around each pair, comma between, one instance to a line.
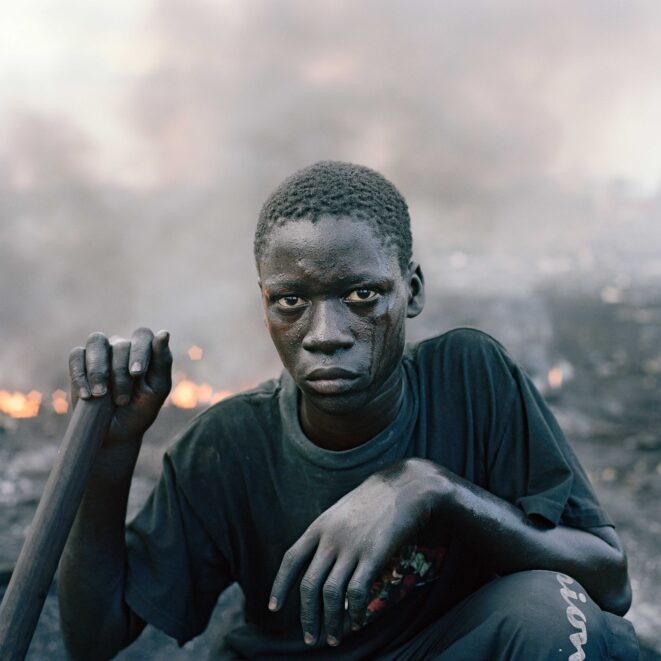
(243,482)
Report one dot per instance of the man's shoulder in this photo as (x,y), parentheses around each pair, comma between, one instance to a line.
(236,421)
(459,344)
(465,363)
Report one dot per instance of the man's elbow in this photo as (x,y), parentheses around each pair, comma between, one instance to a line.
(617,597)
(102,637)
(620,600)
(612,588)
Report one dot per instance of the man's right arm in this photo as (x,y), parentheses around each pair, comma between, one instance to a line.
(96,621)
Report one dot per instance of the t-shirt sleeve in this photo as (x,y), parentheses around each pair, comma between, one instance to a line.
(175,570)
(533,466)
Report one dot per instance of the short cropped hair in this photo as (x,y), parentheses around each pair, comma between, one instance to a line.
(335,188)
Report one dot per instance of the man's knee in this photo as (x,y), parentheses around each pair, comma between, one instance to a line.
(527,616)
(545,614)
(545,604)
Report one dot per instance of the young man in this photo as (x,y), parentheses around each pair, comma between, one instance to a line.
(375,501)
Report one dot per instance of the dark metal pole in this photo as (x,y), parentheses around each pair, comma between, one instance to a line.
(37,562)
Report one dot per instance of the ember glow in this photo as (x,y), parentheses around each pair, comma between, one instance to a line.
(560,374)
(185,395)
(188,394)
(60,402)
(555,378)
(20,405)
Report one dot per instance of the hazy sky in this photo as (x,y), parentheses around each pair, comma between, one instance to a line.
(138,139)
(586,75)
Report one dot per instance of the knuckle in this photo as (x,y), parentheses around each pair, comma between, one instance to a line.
(331,592)
(356,594)
(161,387)
(97,338)
(120,345)
(308,587)
(121,383)
(96,375)
(289,557)
(76,356)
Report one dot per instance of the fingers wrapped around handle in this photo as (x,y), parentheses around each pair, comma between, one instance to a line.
(97,363)
(80,387)
(159,371)
(140,354)
(122,382)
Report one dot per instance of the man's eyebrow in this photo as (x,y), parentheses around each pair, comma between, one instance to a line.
(347,281)
(282,283)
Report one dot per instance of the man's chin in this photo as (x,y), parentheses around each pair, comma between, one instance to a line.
(344,402)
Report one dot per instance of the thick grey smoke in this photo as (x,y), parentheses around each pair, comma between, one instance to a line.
(491,117)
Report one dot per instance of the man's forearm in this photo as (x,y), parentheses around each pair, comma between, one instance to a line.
(96,623)
(512,542)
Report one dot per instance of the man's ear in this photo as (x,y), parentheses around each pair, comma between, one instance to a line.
(416,290)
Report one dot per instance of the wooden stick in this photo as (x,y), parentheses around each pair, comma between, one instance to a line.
(33,575)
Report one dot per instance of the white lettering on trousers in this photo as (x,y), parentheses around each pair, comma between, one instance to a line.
(575,616)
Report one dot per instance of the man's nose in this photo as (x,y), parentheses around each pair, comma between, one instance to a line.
(328,329)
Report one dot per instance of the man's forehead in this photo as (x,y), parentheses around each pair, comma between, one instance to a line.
(327,234)
(337,251)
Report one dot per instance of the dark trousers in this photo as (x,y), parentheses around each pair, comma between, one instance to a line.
(527,616)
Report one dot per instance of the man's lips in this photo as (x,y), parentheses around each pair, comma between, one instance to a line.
(330,374)
(331,380)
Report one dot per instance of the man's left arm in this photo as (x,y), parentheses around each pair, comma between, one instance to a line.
(514,542)
(344,549)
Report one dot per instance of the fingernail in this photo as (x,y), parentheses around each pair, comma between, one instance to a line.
(136,367)
(83,393)
(122,400)
(273,604)
(309,639)
(99,390)
(331,640)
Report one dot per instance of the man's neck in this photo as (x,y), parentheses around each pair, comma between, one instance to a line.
(344,432)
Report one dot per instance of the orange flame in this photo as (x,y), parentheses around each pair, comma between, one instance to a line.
(60,402)
(555,377)
(185,395)
(188,394)
(20,405)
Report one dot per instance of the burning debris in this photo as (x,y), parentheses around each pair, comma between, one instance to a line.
(559,374)
(60,402)
(20,405)
(188,394)
(195,352)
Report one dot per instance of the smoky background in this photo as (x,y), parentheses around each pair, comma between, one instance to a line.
(139,138)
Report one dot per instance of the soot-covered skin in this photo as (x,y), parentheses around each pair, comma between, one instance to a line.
(346,547)
(336,302)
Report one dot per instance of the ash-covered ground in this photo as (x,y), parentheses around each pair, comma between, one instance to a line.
(604,348)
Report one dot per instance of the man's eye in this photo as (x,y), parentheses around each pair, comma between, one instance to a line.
(360,295)
(290,302)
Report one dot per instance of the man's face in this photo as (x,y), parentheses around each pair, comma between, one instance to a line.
(335,303)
